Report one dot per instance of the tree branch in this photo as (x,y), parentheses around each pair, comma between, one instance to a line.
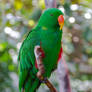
(38,55)
(50,3)
(63,76)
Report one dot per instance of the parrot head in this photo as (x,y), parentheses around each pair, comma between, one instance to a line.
(52,17)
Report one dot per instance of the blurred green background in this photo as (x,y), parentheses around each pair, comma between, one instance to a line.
(17,17)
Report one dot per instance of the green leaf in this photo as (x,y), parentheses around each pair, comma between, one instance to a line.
(3,46)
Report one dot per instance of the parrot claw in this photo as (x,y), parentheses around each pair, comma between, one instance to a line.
(36,51)
(44,80)
(39,54)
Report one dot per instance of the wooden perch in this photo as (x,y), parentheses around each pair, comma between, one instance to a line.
(50,3)
(38,55)
(63,76)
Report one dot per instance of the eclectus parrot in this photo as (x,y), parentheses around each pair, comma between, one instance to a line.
(47,34)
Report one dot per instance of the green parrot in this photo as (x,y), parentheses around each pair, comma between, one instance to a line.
(47,34)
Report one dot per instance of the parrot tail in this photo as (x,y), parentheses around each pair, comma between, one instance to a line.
(31,86)
(28,81)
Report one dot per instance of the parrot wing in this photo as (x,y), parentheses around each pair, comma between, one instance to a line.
(26,58)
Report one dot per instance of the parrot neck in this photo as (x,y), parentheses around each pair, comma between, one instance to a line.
(46,27)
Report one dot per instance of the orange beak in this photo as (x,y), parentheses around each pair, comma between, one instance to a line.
(61,21)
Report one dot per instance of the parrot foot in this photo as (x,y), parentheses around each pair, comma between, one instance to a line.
(39,55)
(44,80)
(41,70)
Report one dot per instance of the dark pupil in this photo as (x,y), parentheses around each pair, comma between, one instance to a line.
(51,14)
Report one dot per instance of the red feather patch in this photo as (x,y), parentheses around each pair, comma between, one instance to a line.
(43,55)
(36,64)
(60,55)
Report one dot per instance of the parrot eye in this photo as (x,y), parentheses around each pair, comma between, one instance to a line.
(51,15)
